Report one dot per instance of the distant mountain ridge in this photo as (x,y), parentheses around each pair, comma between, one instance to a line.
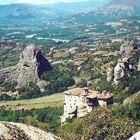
(71,12)
(28,11)
(124,7)
(124,2)
(78,6)
(114,10)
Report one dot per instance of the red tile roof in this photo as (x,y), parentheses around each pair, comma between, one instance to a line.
(104,96)
(74,92)
(89,93)
(83,92)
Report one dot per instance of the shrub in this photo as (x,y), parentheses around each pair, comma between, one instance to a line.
(82,83)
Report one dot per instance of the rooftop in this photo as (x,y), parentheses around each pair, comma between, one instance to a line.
(104,96)
(89,93)
(75,91)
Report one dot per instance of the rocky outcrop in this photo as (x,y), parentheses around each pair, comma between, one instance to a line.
(135,136)
(8,74)
(31,66)
(130,99)
(127,49)
(139,65)
(18,131)
(122,68)
(29,69)
(110,74)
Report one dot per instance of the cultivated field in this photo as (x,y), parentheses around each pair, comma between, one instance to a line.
(55,100)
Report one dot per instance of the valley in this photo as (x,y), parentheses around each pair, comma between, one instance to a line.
(73,72)
(55,100)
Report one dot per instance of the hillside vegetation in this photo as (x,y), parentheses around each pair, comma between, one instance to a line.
(107,123)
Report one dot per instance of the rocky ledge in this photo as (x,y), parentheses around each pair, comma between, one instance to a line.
(18,131)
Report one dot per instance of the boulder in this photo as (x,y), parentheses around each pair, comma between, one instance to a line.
(18,131)
(135,136)
(130,99)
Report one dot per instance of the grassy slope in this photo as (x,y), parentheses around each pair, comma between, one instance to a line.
(100,124)
(55,100)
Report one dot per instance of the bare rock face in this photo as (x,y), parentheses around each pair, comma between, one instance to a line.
(119,71)
(127,49)
(122,68)
(139,65)
(135,136)
(18,131)
(110,74)
(31,66)
(29,69)
(8,74)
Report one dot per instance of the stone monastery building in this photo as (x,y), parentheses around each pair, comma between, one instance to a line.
(81,101)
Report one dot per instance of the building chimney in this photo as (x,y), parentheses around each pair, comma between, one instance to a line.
(86,90)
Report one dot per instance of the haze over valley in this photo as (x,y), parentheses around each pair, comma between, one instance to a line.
(70,70)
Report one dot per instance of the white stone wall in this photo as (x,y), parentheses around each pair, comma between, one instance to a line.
(72,104)
(101,102)
(89,109)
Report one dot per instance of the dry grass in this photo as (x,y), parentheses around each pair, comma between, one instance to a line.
(55,100)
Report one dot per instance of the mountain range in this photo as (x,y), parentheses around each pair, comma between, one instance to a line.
(82,12)
(49,11)
(27,11)
(76,7)
(114,10)
(123,8)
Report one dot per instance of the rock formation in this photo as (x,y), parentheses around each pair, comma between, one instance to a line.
(18,131)
(135,136)
(127,49)
(130,99)
(8,74)
(29,69)
(110,74)
(139,65)
(122,68)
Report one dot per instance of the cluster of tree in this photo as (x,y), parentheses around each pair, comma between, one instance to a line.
(5,97)
(82,83)
(9,86)
(131,111)
(58,81)
(45,118)
(135,85)
(132,82)
(30,91)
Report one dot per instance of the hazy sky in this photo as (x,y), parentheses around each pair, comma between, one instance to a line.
(42,1)
(38,1)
